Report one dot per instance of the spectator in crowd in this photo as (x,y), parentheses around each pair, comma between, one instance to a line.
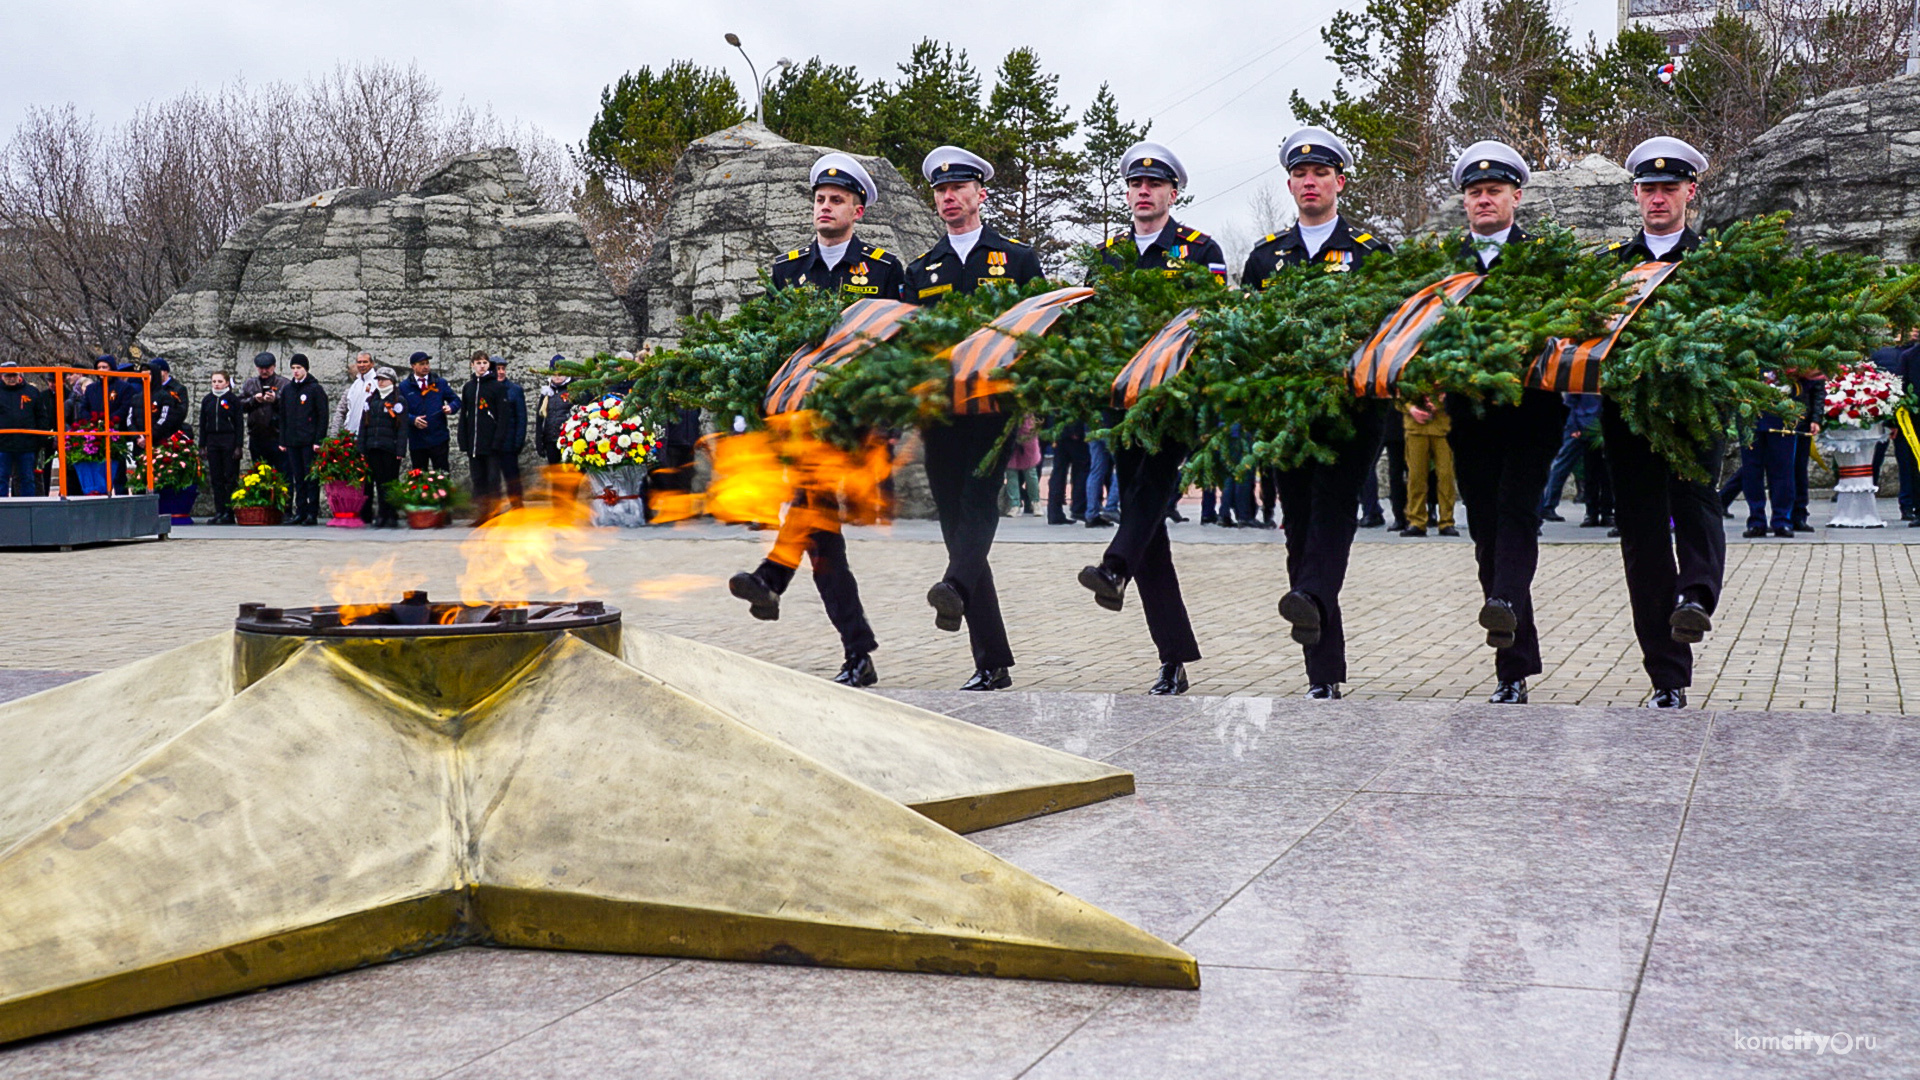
(1395,448)
(551,414)
(1902,361)
(485,419)
(1583,412)
(303,425)
(223,435)
(673,468)
(1813,398)
(261,396)
(1424,429)
(1599,480)
(23,407)
(509,460)
(381,437)
(169,401)
(429,401)
(1102,477)
(1023,471)
(80,393)
(1067,486)
(1767,470)
(353,400)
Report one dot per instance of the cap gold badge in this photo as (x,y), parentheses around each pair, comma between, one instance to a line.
(1306,148)
(1486,165)
(1659,163)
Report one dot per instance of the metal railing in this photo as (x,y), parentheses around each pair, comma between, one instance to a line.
(106,433)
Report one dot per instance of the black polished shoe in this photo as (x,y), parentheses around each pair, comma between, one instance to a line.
(1172,680)
(1753,534)
(1303,612)
(1176,516)
(1510,693)
(1552,515)
(947,606)
(1109,589)
(1265,523)
(1398,525)
(1373,521)
(1209,519)
(764,602)
(1324,691)
(1414,530)
(1689,622)
(1448,530)
(1499,621)
(1056,519)
(1591,522)
(1804,526)
(1614,533)
(1668,699)
(1785,534)
(857,671)
(1095,521)
(988,679)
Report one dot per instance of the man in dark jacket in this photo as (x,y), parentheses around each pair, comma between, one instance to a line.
(509,461)
(169,406)
(303,425)
(22,406)
(486,419)
(261,396)
(1902,361)
(381,438)
(429,401)
(223,433)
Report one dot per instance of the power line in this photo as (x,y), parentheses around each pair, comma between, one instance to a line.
(1234,71)
(1236,187)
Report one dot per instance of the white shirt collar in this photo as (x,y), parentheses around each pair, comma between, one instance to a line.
(962,243)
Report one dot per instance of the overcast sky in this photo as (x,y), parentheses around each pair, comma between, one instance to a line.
(1213,74)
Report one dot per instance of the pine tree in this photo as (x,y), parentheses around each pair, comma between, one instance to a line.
(1100,206)
(935,103)
(1514,70)
(821,104)
(1037,176)
(647,120)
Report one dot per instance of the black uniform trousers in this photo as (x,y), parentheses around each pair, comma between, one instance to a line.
(485,472)
(306,490)
(1501,459)
(1141,551)
(223,475)
(1663,564)
(430,457)
(1317,504)
(383,468)
(969,508)
(1067,486)
(812,525)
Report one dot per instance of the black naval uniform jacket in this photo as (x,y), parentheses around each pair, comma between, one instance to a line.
(1662,563)
(969,504)
(1501,456)
(864,272)
(1318,500)
(993,258)
(1345,249)
(1175,244)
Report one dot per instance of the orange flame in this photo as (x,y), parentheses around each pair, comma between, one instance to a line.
(527,554)
(363,589)
(984,387)
(754,473)
(674,587)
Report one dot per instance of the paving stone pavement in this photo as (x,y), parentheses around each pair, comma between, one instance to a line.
(1824,624)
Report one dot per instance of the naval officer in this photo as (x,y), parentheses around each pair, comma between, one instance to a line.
(1149,482)
(1318,499)
(1502,453)
(1673,573)
(968,503)
(837,260)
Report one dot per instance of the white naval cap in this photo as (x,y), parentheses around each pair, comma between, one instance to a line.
(949,164)
(1489,159)
(1153,160)
(1315,146)
(1664,157)
(841,170)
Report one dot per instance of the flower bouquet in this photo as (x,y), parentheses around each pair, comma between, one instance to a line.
(340,467)
(613,449)
(262,496)
(427,495)
(1860,400)
(176,475)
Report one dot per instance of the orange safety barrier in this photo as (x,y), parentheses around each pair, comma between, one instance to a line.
(107,432)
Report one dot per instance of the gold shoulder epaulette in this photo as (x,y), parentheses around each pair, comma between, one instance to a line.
(1615,246)
(877,252)
(1195,236)
(792,255)
(1112,240)
(1363,238)
(1271,237)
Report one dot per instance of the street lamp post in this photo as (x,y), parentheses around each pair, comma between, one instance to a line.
(759,84)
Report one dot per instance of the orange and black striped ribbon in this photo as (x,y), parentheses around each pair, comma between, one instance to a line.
(1375,369)
(995,346)
(1574,366)
(863,324)
(1161,358)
